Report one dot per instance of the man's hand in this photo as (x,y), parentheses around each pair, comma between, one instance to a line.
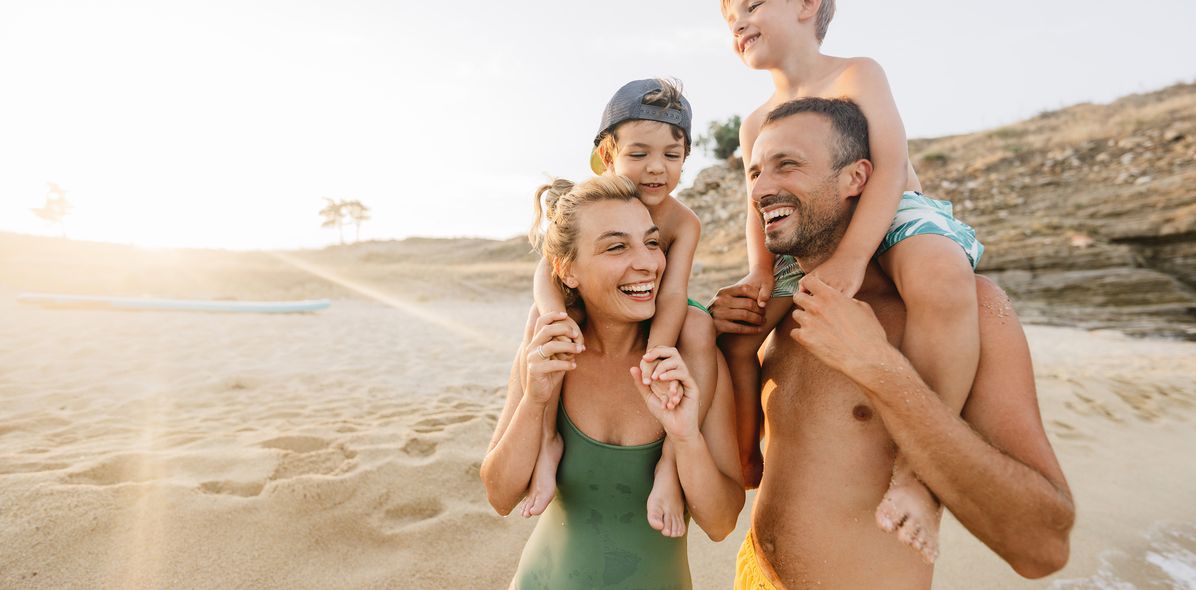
(840,331)
(736,309)
(841,273)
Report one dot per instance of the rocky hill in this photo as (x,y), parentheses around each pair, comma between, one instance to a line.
(1088,213)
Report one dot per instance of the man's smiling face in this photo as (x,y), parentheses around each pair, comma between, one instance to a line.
(795,188)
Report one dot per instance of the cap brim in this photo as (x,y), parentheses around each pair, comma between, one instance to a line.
(596,163)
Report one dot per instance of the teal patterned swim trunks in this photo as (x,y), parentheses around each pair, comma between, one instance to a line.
(916,215)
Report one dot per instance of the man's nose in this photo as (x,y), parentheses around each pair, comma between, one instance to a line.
(762,186)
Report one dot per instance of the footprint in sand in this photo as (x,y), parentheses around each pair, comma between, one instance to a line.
(309,455)
(117,470)
(418,447)
(296,444)
(9,469)
(1066,431)
(232,488)
(437,424)
(407,514)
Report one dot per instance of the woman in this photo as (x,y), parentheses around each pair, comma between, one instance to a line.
(607,258)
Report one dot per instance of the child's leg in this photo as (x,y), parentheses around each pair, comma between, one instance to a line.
(666,505)
(543,485)
(942,341)
(743,360)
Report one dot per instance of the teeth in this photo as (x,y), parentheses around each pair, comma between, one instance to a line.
(775,213)
(749,42)
(637,288)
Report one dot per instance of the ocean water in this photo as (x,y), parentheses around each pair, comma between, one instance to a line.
(1165,558)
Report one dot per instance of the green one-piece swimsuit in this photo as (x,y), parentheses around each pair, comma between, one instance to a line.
(595,533)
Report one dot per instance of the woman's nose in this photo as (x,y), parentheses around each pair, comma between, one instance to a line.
(647,259)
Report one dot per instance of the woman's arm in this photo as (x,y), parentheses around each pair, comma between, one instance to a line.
(507,468)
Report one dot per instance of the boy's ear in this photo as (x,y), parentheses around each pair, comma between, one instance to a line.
(608,159)
(854,176)
(808,9)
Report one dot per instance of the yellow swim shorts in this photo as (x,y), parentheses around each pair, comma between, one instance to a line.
(748,573)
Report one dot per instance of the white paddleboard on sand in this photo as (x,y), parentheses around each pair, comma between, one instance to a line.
(143,304)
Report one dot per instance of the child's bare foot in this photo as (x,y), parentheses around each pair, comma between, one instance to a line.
(543,487)
(909,510)
(666,509)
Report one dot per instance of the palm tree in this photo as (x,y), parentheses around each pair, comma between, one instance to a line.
(334,216)
(358,213)
(56,208)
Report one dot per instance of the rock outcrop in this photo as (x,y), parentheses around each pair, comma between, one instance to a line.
(1088,213)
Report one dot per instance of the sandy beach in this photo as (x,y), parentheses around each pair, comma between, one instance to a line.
(341,449)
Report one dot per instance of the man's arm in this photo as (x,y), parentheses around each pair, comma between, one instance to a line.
(996,472)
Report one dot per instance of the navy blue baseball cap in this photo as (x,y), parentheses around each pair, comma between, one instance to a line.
(628,105)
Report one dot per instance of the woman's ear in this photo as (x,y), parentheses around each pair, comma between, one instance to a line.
(565,272)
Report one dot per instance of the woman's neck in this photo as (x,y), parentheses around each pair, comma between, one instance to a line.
(608,336)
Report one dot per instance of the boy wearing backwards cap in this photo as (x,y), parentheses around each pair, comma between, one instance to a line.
(929,255)
(644,136)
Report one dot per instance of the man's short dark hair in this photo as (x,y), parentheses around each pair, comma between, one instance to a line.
(848,121)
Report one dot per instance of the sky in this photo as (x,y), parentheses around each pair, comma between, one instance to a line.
(226,123)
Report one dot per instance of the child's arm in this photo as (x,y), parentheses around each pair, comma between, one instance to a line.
(547,297)
(864,82)
(760,260)
(673,296)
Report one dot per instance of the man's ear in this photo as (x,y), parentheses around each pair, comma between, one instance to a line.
(565,272)
(855,176)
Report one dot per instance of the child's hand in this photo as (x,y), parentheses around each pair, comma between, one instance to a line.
(681,420)
(844,275)
(573,335)
(763,283)
(668,393)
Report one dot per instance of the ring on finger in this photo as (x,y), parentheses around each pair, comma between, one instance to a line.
(540,351)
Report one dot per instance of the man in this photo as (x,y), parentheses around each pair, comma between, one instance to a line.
(839,399)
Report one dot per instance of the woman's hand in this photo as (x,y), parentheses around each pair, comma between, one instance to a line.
(680,420)
(545,369)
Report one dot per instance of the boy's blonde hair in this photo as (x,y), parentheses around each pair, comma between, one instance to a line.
(559,202)
(822,20)
(669,97)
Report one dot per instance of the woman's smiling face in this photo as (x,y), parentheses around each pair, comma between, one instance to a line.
(619,261)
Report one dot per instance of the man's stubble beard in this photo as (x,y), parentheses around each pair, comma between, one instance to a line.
(820,224)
